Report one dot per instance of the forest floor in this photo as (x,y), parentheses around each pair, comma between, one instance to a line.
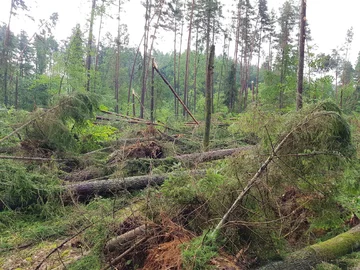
(149,197)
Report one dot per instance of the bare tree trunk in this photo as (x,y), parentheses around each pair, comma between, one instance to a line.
(6,54)
(209,85)
(152,103)
(98,46)
(177,87)
(117,67)
(175,54)
(132,78)
(195,68)
(16,91)
(299,102)
(146,38)
(188,51)
(89,46)
(222,69)
(258,68)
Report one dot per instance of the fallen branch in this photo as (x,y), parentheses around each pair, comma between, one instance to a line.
(308,257)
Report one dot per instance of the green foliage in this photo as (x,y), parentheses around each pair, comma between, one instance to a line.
(92,135)
(60,128)
(180,189)
(7,118)
(198,253)
(20,188)
(185,189)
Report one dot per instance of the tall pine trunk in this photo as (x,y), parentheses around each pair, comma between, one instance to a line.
(208,102)
(176,104)
(177,87)
(98,46)
(146,38)
(299,102)
(5,57)
(89,46)
(196,62)
(117,68)
(132,77)
(188,51)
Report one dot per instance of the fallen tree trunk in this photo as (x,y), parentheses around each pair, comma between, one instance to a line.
(110,186)
(144,165)
(121,242)
(210,155)
(307,258)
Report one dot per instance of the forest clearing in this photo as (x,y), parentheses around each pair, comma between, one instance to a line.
(122,157)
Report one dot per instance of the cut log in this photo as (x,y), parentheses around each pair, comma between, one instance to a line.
(110,186)
(307,258)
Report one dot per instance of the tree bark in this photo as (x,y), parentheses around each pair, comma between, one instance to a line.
(300,83)
(208,94)
(144,165)
(308,257)
(104,187)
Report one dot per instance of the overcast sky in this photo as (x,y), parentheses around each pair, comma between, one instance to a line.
(328,19)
